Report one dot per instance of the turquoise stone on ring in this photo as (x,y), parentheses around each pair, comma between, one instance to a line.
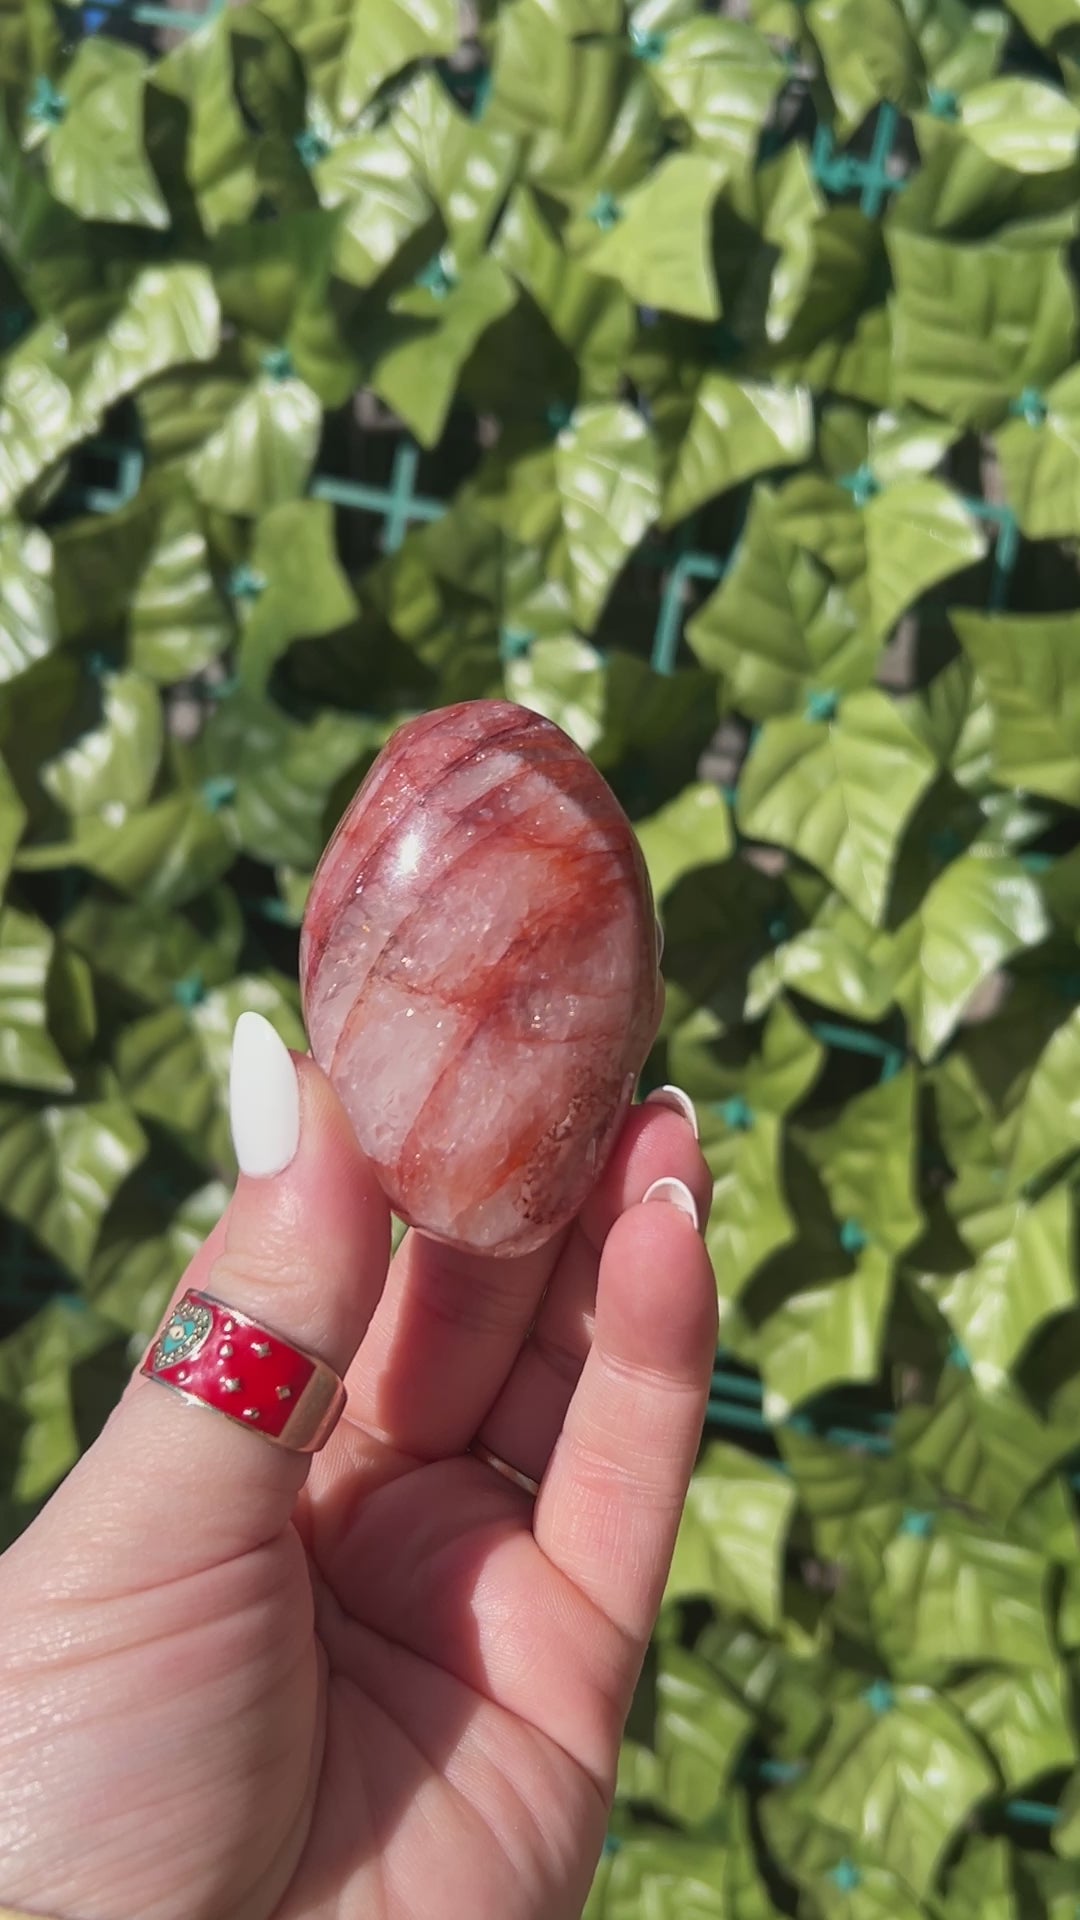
(182,1336)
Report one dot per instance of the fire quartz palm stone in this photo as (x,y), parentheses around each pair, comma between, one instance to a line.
(479,973)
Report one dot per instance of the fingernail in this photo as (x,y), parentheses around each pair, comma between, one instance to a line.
(677,1100)
(659,942)
(677,1194)
(264,1098)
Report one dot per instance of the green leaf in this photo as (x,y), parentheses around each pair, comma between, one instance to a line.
(780,626)
(1047,1124)
(12,822)
(838,792)
(902,1782)
(387,36)
(60,1167)
(719,78)
(417,370)
(659,248)
(970,331)
(607,474)
(700,1731)
(750,1219)
(27,612)
(737,428)
(167,853)
(285,772)
(1023,1718)
(917,534)
(303,589)
(373,179)
(839,961)
(984,908)
(174,1065)
(465,166)
(1040,462)
(169,317)
(693,830)
(97,159)
(146,954)
(958,1596)
(38,1365)
(665,1876)
(111,769)
(589,320)
(869,54)
(826,1335)
(733,1533)
(178,621)
(867,1161)
(40,417)
(220,159)
(28,1055)
(1030,668)
(1022,124)
(1022,1273)
(263,453)
(144,1248)
(984,1450)
(1067,1833)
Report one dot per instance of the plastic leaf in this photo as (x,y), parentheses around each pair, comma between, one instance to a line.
(780,625)
(174,1065)
(110,770)
(901,1782)
(386,36)
(750,1219)
(97,159)
(737,428)
(1021,1276)
(982,910)
(1023,1718)
(146,955)
(303,591)
(720,78)
(1030,667)
(693,830)
(825,1335)
(169,317)
(1022,124)
(29,1056)
(607,474)
(734,1528)
(970,332)
(417,373)
(838,792)
(960,1597)
(664,1876)
(60,1167)
(27,615)
(659,247)
(1040,462)
(264,452)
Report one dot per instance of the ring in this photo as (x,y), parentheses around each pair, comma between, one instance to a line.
(503,1466)
(215,1357)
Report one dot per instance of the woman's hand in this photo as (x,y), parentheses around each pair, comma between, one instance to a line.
(388,1684)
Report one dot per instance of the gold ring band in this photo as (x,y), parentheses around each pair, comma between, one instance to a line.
(513,1474)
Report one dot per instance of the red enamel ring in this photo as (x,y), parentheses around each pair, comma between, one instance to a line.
(215,1357)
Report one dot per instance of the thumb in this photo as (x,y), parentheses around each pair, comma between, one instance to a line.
(171,1488)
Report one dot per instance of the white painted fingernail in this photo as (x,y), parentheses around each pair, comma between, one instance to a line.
(679,1102)
(264,1098)
(659,941)
(676,1193)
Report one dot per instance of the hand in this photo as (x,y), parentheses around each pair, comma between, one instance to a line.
(388,1685)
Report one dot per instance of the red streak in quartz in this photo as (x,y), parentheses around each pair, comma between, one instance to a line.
(583,933)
